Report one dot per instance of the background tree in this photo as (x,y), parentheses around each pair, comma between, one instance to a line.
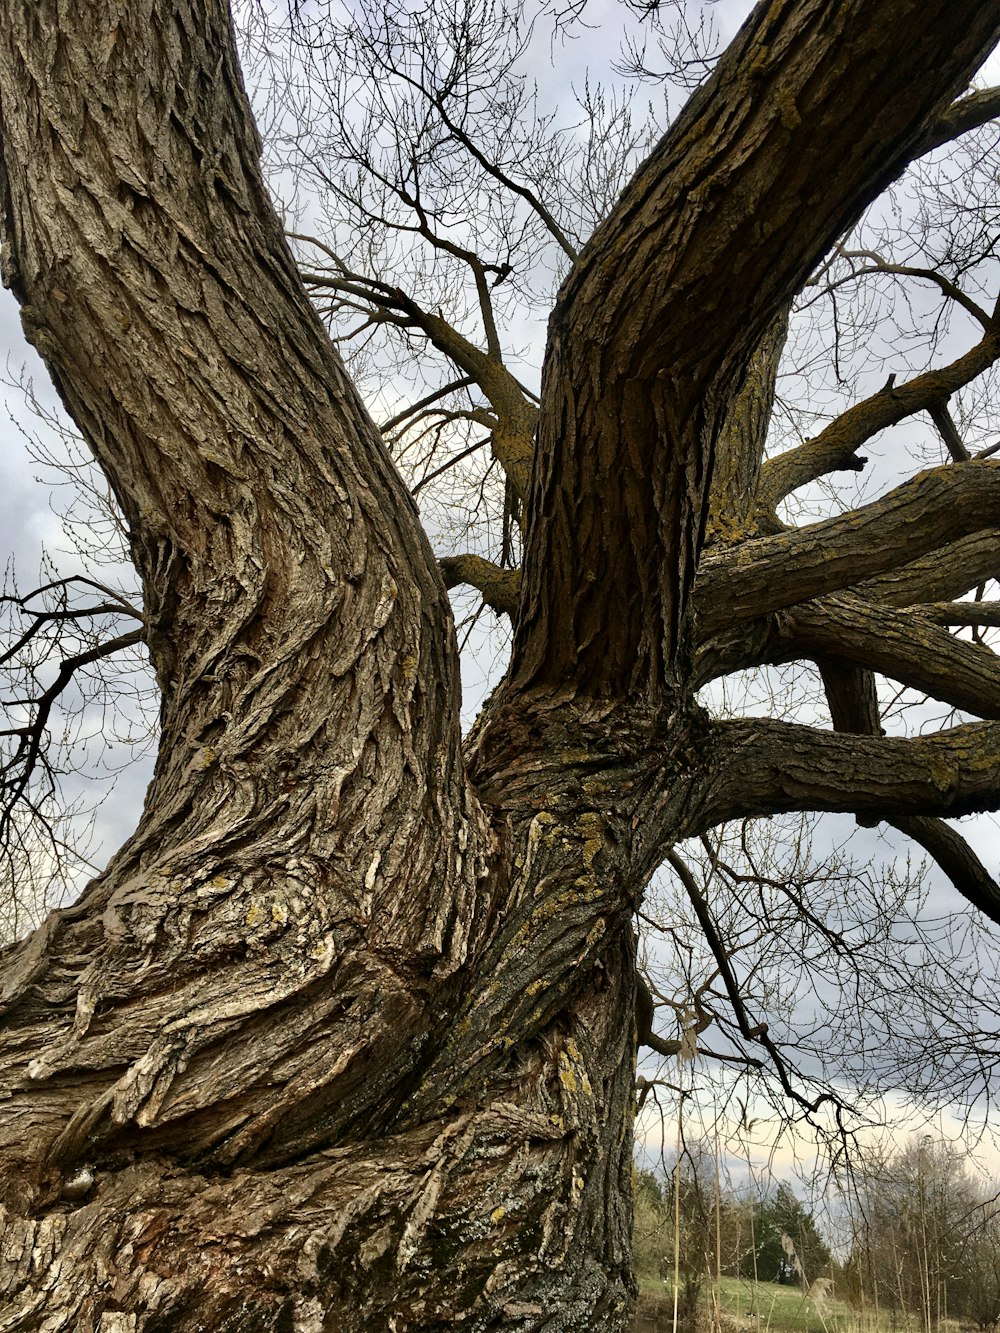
(784,1218)
(675,1229)
(344,1033)
(924,1235)
(981,1266)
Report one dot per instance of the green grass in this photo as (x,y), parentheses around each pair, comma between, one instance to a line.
(772,1308)
(784,1309)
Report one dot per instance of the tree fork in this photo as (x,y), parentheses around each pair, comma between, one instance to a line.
(344,1035)
(496,1191)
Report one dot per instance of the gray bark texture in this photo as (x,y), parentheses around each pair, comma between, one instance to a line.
(343,1038)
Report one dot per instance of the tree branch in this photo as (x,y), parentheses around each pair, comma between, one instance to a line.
(765,767)
(491,168)
(851,696)
(878,264)
(414,408)
(756,1032)
(43,618)
(902,645)
(947,572)
(969,113)
(948,431)
(740,450)
(499,587)
(295,611)
(514,430)
(16,772)
(836,446)
(645,1012)
(853,704)
(983,614)
(920,516)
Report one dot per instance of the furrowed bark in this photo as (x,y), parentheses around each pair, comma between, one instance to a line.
(948,572)
(986,615)
(851,696)
(308,853)
(711,222)
(344,1035)
(734,504)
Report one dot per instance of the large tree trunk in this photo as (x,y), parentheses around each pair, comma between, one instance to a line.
(343,1037)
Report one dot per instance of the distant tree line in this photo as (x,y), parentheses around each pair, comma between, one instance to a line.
(922,1235)
(769,1238)
(925,1237)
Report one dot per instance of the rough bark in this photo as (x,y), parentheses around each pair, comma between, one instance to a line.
(712,223)
(343,1037)
(920,516)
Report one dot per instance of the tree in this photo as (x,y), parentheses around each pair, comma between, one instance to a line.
(344,1034)
(924,1235)
(789,1246)
(981,1267)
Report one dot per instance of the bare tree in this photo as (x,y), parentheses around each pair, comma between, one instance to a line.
(344,1034)
(66,714)
(445,207)
(924,1234)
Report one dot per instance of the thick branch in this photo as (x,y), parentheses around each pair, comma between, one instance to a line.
(851,696)
(945,573)
(969,113)
(514,431)
(634,390)
(499,587)
(985,615)
(836,446)
(920,516)
(948,431)
(740,448)
(902,645)
(309,792)
(764,767)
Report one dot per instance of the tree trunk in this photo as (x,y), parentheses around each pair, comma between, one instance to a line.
(343,1037)
(316,1136)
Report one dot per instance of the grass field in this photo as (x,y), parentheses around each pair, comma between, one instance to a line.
(772,1308)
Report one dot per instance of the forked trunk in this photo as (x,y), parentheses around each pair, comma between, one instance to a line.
(343,1038)
(321,1134)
